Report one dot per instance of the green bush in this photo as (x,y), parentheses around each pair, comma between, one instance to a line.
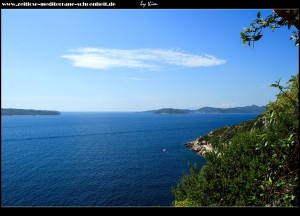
(255,163)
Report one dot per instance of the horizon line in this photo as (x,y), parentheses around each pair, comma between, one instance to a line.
(194,109)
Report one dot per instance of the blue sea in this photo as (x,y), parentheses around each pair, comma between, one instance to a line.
(100,159)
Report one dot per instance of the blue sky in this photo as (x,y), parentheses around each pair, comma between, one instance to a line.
(135,60)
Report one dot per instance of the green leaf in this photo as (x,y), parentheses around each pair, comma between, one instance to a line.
(281,22)
(258,15)
(243,35)
(290,137)
(257,37)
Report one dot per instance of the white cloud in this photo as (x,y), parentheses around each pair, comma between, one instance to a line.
(132,78)
(98,58)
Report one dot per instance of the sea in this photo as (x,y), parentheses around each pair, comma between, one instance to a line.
(100,159)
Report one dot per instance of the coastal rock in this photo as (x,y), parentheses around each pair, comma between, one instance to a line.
(201,148)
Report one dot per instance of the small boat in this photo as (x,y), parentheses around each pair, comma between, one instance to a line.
(164,150)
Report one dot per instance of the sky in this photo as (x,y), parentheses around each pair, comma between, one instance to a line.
(136,60)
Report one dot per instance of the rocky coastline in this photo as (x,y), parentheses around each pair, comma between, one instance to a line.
(200,147)
(209,142)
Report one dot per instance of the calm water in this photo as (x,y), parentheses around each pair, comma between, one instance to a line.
(99,159)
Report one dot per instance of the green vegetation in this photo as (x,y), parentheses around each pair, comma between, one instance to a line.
(11,112)
(255,163)
(224,135)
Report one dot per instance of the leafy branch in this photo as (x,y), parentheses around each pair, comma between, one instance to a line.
(273,21)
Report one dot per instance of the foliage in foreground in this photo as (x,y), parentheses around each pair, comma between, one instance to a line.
(278,19)
(255,164)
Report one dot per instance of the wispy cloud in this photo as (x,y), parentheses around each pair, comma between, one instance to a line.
(132,78)
(98,58)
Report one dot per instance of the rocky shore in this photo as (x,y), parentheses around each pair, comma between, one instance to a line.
(200,147)
(222,136)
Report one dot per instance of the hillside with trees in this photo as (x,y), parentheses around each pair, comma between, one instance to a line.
(11,112)
(211,110)
(255,163)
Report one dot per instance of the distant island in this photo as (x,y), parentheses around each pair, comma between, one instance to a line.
(11,112)
(211,110)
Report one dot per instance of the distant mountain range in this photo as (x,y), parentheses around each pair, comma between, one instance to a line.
(211,110)
(11,112)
